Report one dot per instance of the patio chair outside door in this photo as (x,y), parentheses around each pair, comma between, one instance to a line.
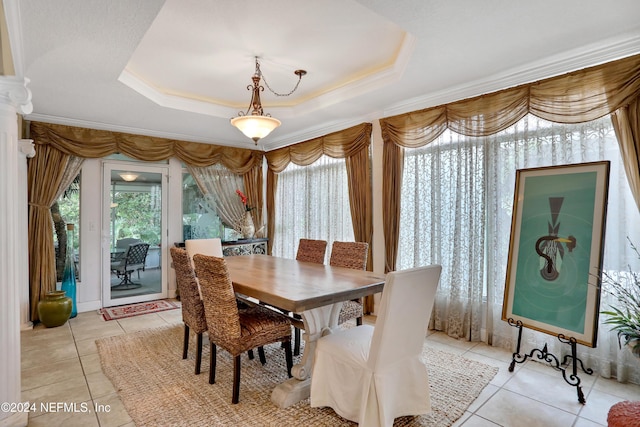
(133,260)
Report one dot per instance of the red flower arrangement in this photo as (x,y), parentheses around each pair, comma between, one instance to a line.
(244,199)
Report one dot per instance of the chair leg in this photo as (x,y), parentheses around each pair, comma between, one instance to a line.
(288,356)
(198,352)
(358,321)
(296,339)
(236,380)
(261,355)
(250,353)
(185,345)
(212,364)
(126,283)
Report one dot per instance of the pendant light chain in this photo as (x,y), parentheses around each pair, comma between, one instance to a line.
(298,73)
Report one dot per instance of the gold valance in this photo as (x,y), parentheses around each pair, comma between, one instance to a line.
(94,143)
(576,97)
(344,143)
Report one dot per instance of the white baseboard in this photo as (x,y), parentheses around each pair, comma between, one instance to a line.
(89,306)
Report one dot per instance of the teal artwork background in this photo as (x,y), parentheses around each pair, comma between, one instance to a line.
(563,301)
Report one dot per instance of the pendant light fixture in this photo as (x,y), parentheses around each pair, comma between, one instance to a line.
(254,123)
(129,176)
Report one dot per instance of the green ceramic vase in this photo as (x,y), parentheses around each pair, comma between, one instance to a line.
(55,309)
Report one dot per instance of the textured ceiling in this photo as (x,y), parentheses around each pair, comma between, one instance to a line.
(180,68)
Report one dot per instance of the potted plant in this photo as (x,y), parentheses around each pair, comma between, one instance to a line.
(624,316)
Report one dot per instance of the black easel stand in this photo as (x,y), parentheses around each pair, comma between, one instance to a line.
(543,354)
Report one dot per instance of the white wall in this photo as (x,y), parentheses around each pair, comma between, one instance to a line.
(89,286)
(174,220)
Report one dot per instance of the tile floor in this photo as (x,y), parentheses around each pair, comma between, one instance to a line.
(62,365)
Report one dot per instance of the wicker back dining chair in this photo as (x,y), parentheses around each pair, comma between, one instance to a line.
(350,255)
(192,307)
(311,250)
(236,330)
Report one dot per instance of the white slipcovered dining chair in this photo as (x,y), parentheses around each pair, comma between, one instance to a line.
(208,247)
(213,247)
(371,375)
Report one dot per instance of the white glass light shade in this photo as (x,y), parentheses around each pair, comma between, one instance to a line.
(255,127)
(128,176)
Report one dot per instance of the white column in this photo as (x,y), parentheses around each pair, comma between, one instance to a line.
(26,151)
(14,98)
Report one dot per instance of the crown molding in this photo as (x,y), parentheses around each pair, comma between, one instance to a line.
(44,118)
(174,101)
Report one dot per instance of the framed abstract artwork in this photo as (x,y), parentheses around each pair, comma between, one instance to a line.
(555,251)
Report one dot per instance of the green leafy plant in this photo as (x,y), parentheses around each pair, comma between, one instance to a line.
(624,315)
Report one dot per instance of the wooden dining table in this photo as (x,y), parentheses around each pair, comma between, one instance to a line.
(315,291)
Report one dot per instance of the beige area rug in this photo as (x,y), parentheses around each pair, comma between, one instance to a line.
(158,388)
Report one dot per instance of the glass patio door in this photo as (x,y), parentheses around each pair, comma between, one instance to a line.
(134,231)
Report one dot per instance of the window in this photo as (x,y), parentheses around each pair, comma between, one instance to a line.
(312,202)
(457,200)
(66,210)
(199,218)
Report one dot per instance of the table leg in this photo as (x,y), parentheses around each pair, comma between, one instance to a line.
(317,322)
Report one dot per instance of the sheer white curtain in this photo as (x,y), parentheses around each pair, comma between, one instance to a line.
(218,185)
(441,222)
(468,230)
(312,202)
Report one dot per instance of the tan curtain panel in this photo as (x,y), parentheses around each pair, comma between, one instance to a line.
(626,122)
(55,144)
(42,271)
(360,197)
(352,144)
(272,184)
(253,190)
(575,97)
(392,166)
